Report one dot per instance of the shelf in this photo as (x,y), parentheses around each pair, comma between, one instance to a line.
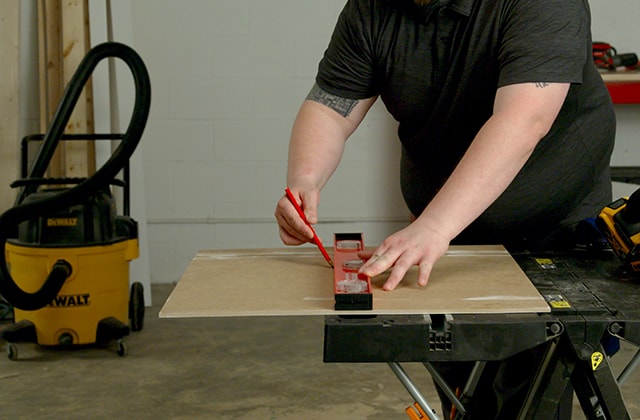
(623,86)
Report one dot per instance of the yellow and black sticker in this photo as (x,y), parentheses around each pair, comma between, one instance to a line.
(62,221)
(67,301)
(546,263)
(557,301)
(596,359)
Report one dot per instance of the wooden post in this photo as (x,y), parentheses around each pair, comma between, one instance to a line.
(51,84)
(79,156)
(9,57)
(64,41)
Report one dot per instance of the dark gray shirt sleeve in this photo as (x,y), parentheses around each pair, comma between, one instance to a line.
(543,41)
(347,68)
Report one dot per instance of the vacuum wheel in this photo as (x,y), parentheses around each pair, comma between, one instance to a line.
(12,351)
(121,348)
(136,306)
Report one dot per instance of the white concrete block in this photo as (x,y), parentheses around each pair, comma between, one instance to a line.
(270,181)
(178,140)
(234,181)
(293,17)
(251,139)
(246,235)
(308,50)
(157,184)
(193,190)
(208,16)
(162,263)
(206,99)
(279,99)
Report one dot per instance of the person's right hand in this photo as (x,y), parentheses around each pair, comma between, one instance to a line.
(293,230)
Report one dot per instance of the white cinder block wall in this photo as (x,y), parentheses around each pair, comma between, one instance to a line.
(227,80)
(228,77)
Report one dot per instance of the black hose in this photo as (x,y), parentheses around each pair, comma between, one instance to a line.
(59,273)
(10,219)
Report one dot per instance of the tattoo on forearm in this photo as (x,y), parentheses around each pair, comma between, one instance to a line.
(542,85)
(342,106)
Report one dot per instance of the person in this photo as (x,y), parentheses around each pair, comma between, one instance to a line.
(506,128)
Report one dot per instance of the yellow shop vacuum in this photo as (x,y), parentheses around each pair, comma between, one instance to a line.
(64,249)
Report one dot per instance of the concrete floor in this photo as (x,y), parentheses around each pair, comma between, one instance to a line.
(235,368)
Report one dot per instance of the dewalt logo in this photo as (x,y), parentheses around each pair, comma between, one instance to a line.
(66,301)
(62,221)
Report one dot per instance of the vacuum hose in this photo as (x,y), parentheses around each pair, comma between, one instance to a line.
(21,212)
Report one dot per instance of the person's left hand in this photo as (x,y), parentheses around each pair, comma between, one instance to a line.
(417,244)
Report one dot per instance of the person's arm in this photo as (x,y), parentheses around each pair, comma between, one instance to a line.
(523,114)
(323,124)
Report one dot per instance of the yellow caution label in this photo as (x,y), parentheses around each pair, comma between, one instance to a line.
(63,221)
(546,263)
(557,301)
(596,359)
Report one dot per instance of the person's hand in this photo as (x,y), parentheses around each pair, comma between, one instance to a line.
(293,230)
(417,244)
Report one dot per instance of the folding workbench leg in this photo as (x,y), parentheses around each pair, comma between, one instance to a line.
(549,384)
(598,391)
(413,390)
(467,393)
(593,404)
(633,363)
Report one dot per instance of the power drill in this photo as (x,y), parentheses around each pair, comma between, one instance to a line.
(619,222)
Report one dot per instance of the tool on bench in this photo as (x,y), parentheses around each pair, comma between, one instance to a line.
(316,239)
(619,222)
(352,290)
(606,57)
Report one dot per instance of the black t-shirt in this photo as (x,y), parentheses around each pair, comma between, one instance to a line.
(437,69)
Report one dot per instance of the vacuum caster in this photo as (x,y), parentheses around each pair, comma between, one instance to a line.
(12,351)
(136,306)
(121,348)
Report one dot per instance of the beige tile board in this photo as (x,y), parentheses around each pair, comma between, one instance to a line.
(297,281)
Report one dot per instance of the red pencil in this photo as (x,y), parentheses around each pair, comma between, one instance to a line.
(316,239)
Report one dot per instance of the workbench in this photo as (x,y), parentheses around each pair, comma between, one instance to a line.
(482,304)
(623,86)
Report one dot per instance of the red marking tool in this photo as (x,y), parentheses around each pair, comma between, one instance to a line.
(316,239)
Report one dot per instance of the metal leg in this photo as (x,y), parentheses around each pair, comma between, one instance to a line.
(412,389)
(438,379)
(633,363)
(550,381)
(469,389)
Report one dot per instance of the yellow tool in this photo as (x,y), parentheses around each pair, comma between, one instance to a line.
(619,222)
